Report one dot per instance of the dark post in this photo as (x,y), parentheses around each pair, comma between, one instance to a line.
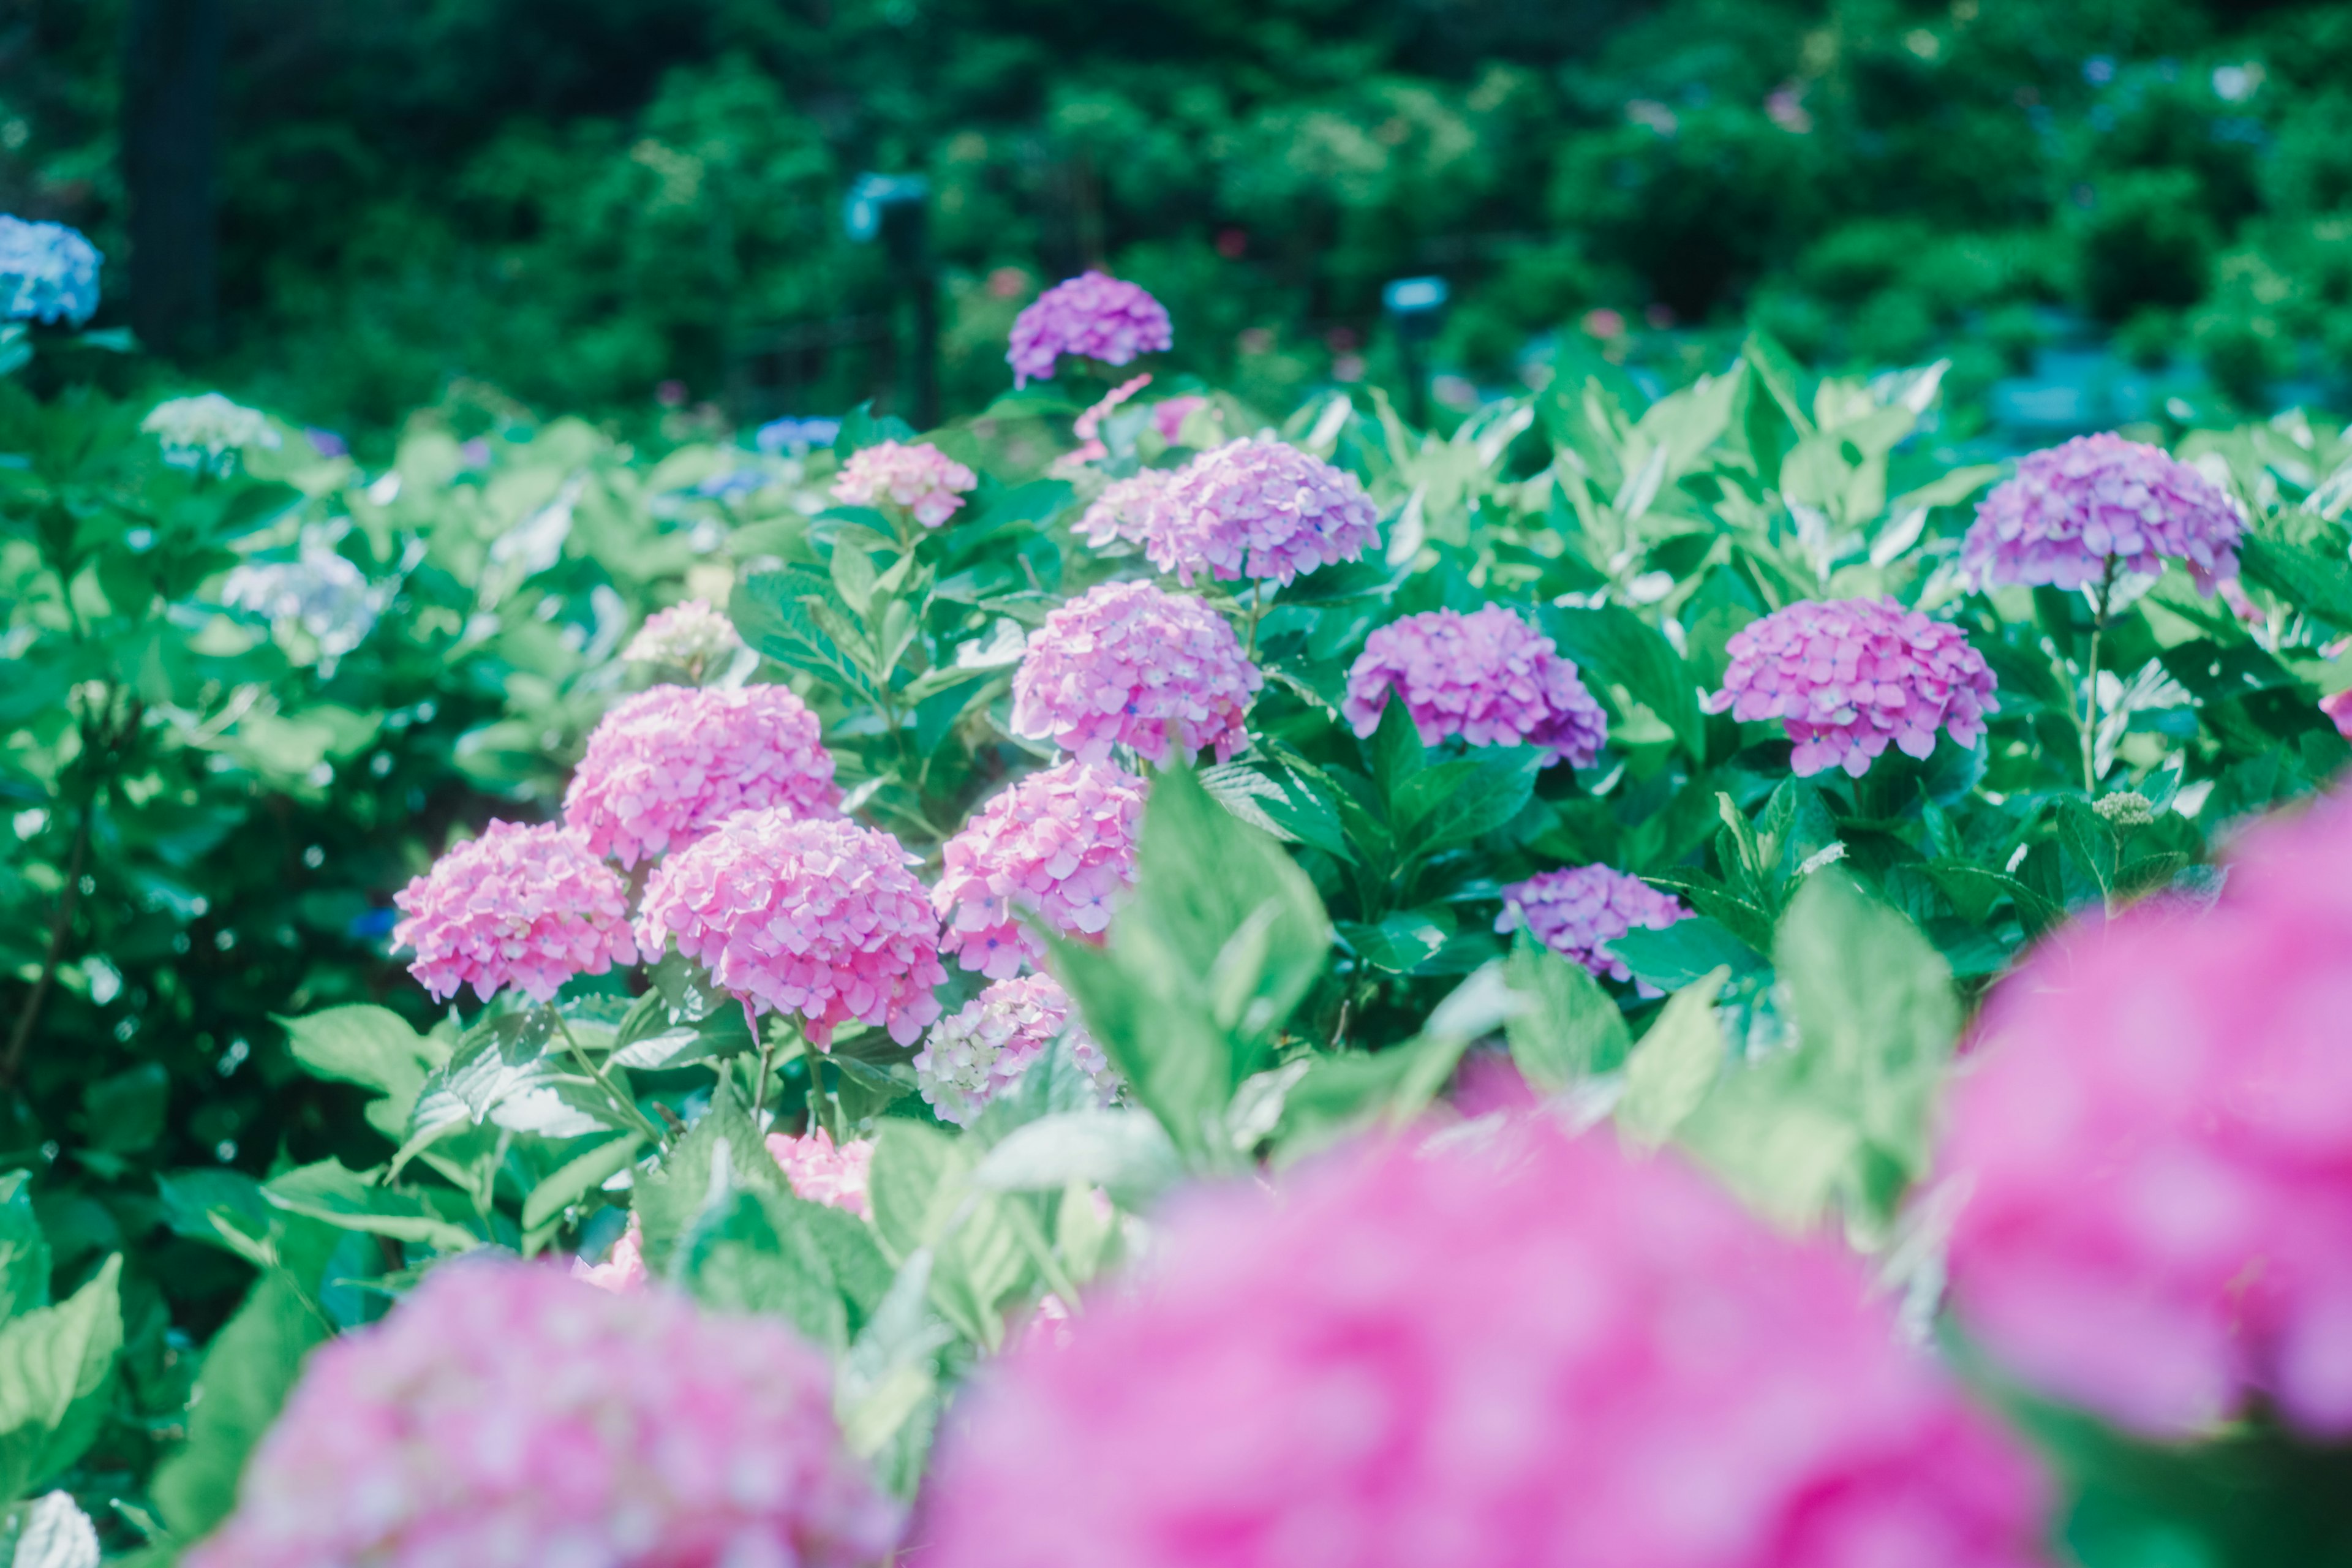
(1415,306)
(171,133)
(895,209)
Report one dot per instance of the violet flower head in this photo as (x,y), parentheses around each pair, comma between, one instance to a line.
(981,1052)
(2156,1138)
(1059,845)
(1258,509)
(1847,676)
(820,918)
(1093,316)
(824,1173)
(2099,502)
(1127,664)
(505,1414)
(919,478)
(1487,677)
(48,272)
(672,763)
(1123,509)
(525,906)
(1578,911)
(1394,1363)
(691,636)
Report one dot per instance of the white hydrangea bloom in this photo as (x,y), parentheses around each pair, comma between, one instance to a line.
(208,433)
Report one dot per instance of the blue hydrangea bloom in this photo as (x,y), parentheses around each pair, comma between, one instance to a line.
(48,272)
(780,437)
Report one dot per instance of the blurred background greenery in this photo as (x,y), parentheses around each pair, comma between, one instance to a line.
(2102,210)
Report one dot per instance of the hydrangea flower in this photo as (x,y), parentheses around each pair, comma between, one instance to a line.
(1088,427)
(1848,676)
(1167,415)
(1059,844)
(818,918)
(1093,316)
(1578,911)
(47,273)
(1259,509)
(321,591)
(1533,1352)
(981,1052)
(672,763)
(2155,1139)
(2074,511)
(824,1174)
(1122,510)
(923,481)
(506,1414)
(208,433)
(1487,677)
(1127,665)
(691,636)
(793,437)
(624,1269)
(523,906)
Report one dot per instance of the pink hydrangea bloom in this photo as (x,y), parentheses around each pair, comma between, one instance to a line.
(1540,1352)
(2156,1144)
(1167,415)
(1259,509)
(1059,844)
(2075,508)
(1127,665)
(1123,509)
(1845,677)
(624,1269)
(1093,316)
(824,1174)
(523,906)
(506,1414)
(820,918)
(1487,677)
(692,634)
(978,1053)
(2337,706)
(1578,911)
(925,481)
(670,764)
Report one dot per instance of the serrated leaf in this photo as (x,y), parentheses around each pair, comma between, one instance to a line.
(580,1175)
(249,1368)
(54,1365)
(1569,1028)
(1672,1066)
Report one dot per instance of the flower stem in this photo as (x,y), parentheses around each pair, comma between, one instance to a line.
(2100,604)
(613,1091)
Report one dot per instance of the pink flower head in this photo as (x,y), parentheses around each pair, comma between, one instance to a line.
(1487,677)
(1127,664)
(1059,844)
(925,481)
(504,1413)
(978,1053)
(1093,316)
(820,918)
(692,634)
(672,763)
(528,906)
(1847,675)
(624,1269)
(823,1172)
(1124,508)
(1578,911)
(2337,706)
(1540,1352)
(1167,415)
(2076,509)
(2156,1144)
(1259,509)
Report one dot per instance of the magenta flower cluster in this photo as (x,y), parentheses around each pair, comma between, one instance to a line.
(506,1414)
(1058,844)
(672,763)
(1487,677)
(924,481)
(1126,664)
(1093,316)
(2156,1146)
(820,918)
(826,1172)
(691,634)
(1847,677)
(1123,511)
(2074,512)
(978,1053)
(1538,1352)
(1258,509)
(528,906)
(1578,911)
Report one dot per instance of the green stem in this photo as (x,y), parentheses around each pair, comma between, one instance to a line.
(2091,685)
(613,1091)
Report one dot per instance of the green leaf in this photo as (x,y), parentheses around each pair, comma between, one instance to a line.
(1123,1151)
(249,1369)
(54,1365)
(346,1199)
(1675,1065)
(24,1251)
(887,1391)
(723,1140)
(777,612)
(1401,943)
(582,1173)
(1620,649)
(747,1253)
(1452,802)
(124,1111)
(1340,1093)
(1676,955)
(1570,1029)
(370,1046)
(2318,582)
(924,1198)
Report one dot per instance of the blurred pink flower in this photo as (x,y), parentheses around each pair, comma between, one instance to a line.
(818,918)
(1578,911)
(1093,316)
(1258,509)
(670,764)
(928,483)
(1059,844)
(1487,677)
(624,1269)
(1167,415)
(1123,509)
(504,1413)
(2072,509)
(978,1053)
(1533,1352)
(523,906)
(1127,664)
(824,1174)
(2337,706)
(690,634)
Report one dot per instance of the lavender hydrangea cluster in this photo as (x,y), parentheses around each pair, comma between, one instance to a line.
(47,273)
(1258,509)
(983,1050)
(1578,911)
(1487,677)
(2100,504)
(1059,845)
(1093,316)
(1122,513)
(1846,678)
(1126,664)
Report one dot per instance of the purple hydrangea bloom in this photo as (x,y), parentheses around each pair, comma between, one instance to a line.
(1848,676)
(2098,499)
(1578,911)
(1261,510)
(1126,664)
(1487,677)
(48,272)
(1123,509)
(1094,316)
